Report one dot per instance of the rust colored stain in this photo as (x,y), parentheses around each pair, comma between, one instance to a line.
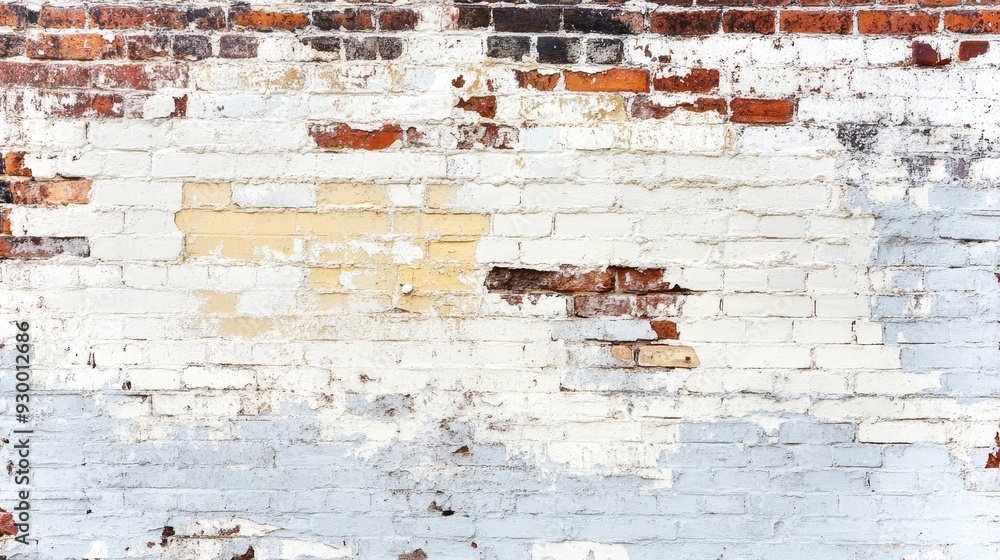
(536,80)
(7,525)
(993,460)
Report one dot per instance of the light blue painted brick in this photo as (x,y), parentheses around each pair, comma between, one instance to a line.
(925,358)
(719,432)
(799,431)
(916,457)
(857,455)
(705,455)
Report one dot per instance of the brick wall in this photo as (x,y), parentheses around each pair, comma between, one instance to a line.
(690,279)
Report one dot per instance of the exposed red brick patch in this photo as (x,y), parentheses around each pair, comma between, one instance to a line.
(626,305)
(13,15)
(762,111)
(50,193)
(62,18)
(14,164)
(567,279)
(967,50)
(265,20)
(77,46)
(486,106)
(972,21)
(248,555)
(698,80)
(75,104)
(665,330)
(7,525)
(641,280)
(993,460)
(487,135)
(417,554)
(130,17)
(42,247)
(142,47)
(926,55)
(180,106)
(613,80)
(43,75)
(398,20)
(685,23)
(460,82)
(140,76)
(800,21)
(742,21)
(535,79)
(644,108)
(237,46)
(342,136)
(897,23)
(4,222)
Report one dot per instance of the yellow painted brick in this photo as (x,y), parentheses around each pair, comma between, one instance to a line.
(343,223)
(466,225)
(437,278)
(325,279)
(464,251)
(218,302)
(340,250)
(440,195)
(244,327)
(236,223)
(379,279)
(239,247)
(352,194)
(416,303)
(206,194)
(333,301)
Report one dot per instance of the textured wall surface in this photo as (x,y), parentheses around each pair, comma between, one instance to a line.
(500,281)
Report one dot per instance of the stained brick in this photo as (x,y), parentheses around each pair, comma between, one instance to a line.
(762,111)
(526,20)
(342,136)
(76,46)
(698,80)
(269,21)
(344,20)
(605,51)
(559,50)
(608,22)
(507,47)
(38,74)
(897,23)
(11,45)
(361,49)
(567,279)
(972,21)
(14,15)
(665,330)
(192,47)
(237,46)
(486,106)
(487,135)
(685,23)
(800,21)
(79,104)
(604,305)
(62,17)
(644,108)
(744,21)
(536,80)
(614,80)
(50,193)
(926,55)
(146,46)
(641,280)
(323,44)
(13,163)
(42,247)
(126,17)
(207,18)
(967,50)
(398,20)
(473,17)
(140,76)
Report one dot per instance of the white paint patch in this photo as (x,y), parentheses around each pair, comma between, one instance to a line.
(578,550)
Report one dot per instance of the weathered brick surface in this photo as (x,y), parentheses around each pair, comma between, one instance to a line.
(502,280)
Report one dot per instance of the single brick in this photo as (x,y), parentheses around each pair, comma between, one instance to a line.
(644,108)
(207,18)
(389,48)
(762,111)
(473,17)
(142,47)
(43,75)
(42,247)
(50,193)
(559,50)
(486,106)
(567,279)
(641,280)
(665,330)
(11,45)
(605,51)
(487,135)
(269,21)
(608,22)
(698,80)
(361,49)
(14,15)
(77,46)
(658,305)
(140,76)
(536,80)
(5,195)
(613,80)
(603,305)
(660,355)
(129,17)
(180,106)
(192,47)
(940,3)
(62,18)
(967,50)
(685,23)
(526,20)
(800,21)
(78,104)
(5,222)
(237,46)
(744,21)
(342,136)
(897,23)
(853,2)
(13,162)
(344,20)
(925,55)
(506,47)
(323,44)
(972,21)
(398,20)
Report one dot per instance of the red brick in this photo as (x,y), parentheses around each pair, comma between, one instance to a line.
(604,305)
(264,20)
(814,3)
(78,104)
(568,279)
(641,280)
(62,18)
(762,111)
(347,20)
(993,459)
(13,15)
(643,108)
(536,80)
(51,193)
(743,21)
(926,55)
(772,3)
(42,247)
(614,80)
(4,222)
(487,135)
(142,47)
(665,330)
(398,20)
(131,17)
(11,45)
(658,305)
(342,136)
(237,46)
(853,2)
(800,21)
(76,46)
(698,80)
(685,23)
(140,76)
(43,75)
(897,23)
(967,50)
(972,21)
(486,106)
(180,106)
(936,3)
(13,163)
